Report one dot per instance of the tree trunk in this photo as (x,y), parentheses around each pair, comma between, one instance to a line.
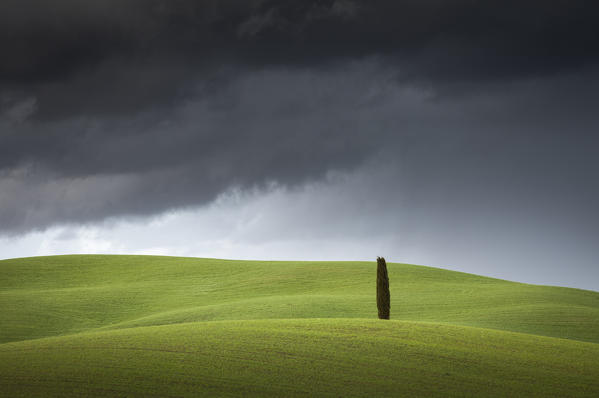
(383,296)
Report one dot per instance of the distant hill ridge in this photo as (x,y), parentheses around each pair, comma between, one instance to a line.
(60,295)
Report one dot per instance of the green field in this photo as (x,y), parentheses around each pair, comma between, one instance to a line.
(166,326)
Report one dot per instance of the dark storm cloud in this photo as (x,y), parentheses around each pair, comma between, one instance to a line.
(111,56)
(270,126)
(132,107)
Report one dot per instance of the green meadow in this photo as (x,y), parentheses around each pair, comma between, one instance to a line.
(139,326)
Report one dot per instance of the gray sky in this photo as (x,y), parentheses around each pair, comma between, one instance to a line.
(451,133)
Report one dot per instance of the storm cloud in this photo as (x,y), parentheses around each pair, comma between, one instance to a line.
(132,108)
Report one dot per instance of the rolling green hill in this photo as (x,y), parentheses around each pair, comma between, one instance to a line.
(166,326)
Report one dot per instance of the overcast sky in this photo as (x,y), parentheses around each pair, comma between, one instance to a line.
(454,133)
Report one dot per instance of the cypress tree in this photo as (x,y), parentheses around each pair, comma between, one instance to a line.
(383,296)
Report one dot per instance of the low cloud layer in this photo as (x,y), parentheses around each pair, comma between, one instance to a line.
(353,216)
(292,127)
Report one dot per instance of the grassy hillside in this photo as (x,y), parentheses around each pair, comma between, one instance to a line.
(289,358)
(166,326)
(51,296)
